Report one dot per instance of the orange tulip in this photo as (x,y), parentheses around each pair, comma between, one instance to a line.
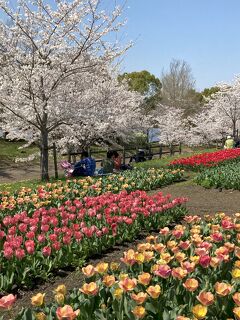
(148,255)
(236,312)
(236,298)
(191,284)
(154,291)
(199,311)
(222,288)
(90,288)
(108,280)
(143,247)
(144,278)
(179,273)
(139,298)
(206,298)
(89,271)
(139,312)
(66,312)
(214,262)
(6,302)
(128,284)
(182,318)
(237,252)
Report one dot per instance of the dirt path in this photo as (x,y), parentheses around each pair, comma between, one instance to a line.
(202,201)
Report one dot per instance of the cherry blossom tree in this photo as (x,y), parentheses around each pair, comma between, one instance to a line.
(47,53)
(171,122)
(109,113)
(221,114)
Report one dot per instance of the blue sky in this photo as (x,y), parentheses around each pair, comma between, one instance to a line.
(205,33)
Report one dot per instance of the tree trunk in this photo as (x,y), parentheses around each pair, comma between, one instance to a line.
(44,155)
(234,128)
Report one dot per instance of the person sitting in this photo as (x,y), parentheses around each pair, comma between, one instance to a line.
(229,143)
(237,143)
(117,160)
(139,157)
(85,167)
(107,164)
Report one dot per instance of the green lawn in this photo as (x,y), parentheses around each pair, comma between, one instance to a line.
(156,163)
(9,151)
(164,161)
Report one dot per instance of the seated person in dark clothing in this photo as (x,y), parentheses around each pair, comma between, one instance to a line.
(237,144)
(107,164)
(85,167)
(139,157)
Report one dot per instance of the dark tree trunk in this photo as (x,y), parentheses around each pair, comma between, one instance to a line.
(44,155)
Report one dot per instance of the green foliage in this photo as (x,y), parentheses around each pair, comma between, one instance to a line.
(207,92)
(223,176)
(143,82)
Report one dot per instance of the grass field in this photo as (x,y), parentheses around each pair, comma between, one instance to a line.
(10,150)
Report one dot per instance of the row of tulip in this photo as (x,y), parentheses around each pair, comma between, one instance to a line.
(227,177)
(32,246)
(190,272)
(208,159)
(54,194)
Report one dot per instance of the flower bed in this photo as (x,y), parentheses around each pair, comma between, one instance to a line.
(227,177)
(191,272)
(54,194)
(32,245)
(208,159)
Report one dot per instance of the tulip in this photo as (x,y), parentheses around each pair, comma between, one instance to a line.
(67,313)
(108,280)
(191,284)
(88,271)
(61,289)
(179,273)
(59,298)
(118,293)
(222,288)
(204,261)
(139,298)
(38,299)
(128,284)
(236,298)
(40,316)
(144,278)
(139,312)
(90,288)
(236,273)
(163,271)
(101,267)
(154,291)
(114,266)
(199,311)
(236,312)
(206,298)
(6,302)
(182,318)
